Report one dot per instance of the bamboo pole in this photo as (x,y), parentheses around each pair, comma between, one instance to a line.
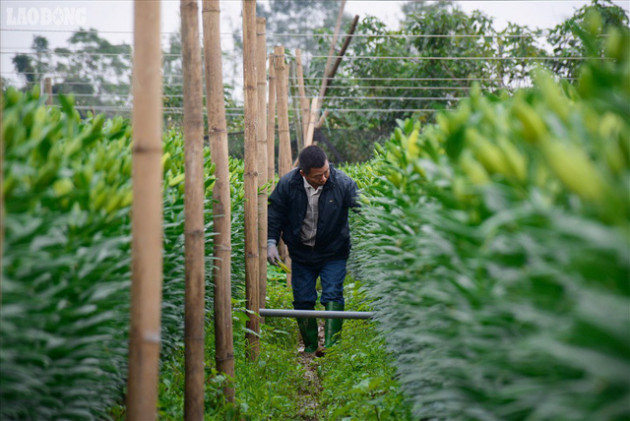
(316,104)
(48,90)
(194,232)
(261,59)
(310,128)
(302,93)
(221,209)
(342,52)
(282,92)
(319,124)
(252,293)
(297,114)
(146,228)
(284,137)
(271,122)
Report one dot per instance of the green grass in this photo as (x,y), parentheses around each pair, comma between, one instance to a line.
(495,247)
(358,379)
(267,388)
(354,381)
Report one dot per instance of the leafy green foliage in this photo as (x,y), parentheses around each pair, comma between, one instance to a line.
(355,380)
(453,48)
(265,389)
(66,257)
(358,378)
(565,38)
(495,244)
(65,271)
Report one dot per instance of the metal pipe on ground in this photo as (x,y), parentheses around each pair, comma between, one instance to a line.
(269,312)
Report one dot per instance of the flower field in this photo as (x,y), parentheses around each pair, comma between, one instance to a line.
(493,246)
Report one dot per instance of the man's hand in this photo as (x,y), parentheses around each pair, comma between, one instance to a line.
(273,256)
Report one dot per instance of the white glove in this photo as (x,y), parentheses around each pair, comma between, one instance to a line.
(273,256)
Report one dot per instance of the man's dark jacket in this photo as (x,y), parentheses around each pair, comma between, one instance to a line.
(287,208)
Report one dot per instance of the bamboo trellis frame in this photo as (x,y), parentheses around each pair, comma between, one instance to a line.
(342,52)
(217,133)
(284,140)
(48,90)
(316,103)
(194,229)
(261,152)
(301,92)
(271,122)
(146,226)
(282,92)
(252,293)
(297,112)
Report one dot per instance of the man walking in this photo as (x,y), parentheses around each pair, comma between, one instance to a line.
(309,208)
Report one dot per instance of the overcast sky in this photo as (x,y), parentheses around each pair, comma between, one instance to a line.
(20,20)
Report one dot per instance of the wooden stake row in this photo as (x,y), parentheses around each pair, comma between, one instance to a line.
(146,225)
(217,133)
(144,346)
(252,294)
(261,140)
(194,232)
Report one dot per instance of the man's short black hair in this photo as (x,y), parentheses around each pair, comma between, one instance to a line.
(312,157)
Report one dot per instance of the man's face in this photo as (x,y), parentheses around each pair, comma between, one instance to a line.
(317,176)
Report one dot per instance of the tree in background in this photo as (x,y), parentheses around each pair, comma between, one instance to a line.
(24,66)
(431,62)
(34,68)
(98,74)
(173,92)
(288,18)
(96,71)
(172,88)
(565,39)
(4,84)
(96,67)
(452,49)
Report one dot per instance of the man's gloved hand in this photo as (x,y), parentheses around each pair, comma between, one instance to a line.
(273,256)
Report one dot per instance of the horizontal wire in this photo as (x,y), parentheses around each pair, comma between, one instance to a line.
(363,98)
(20,50)
(299,35)
(287,34)
(390,98)
(391,110)
(94,95)
(398,78)
(162,33)
(175,110)
(130,109)
(69,53)
(348,57)
(412,88)
(337,87)
(56,74)
(168,76)
(418,58)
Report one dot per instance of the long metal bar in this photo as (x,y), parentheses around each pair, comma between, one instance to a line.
(269,312)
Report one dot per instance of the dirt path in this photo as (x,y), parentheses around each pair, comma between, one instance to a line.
(310,394)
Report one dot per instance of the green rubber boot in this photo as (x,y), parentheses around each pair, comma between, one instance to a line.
(308,330)
(332,328)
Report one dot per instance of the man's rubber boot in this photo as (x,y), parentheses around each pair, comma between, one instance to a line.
(332,328)
(308,330)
